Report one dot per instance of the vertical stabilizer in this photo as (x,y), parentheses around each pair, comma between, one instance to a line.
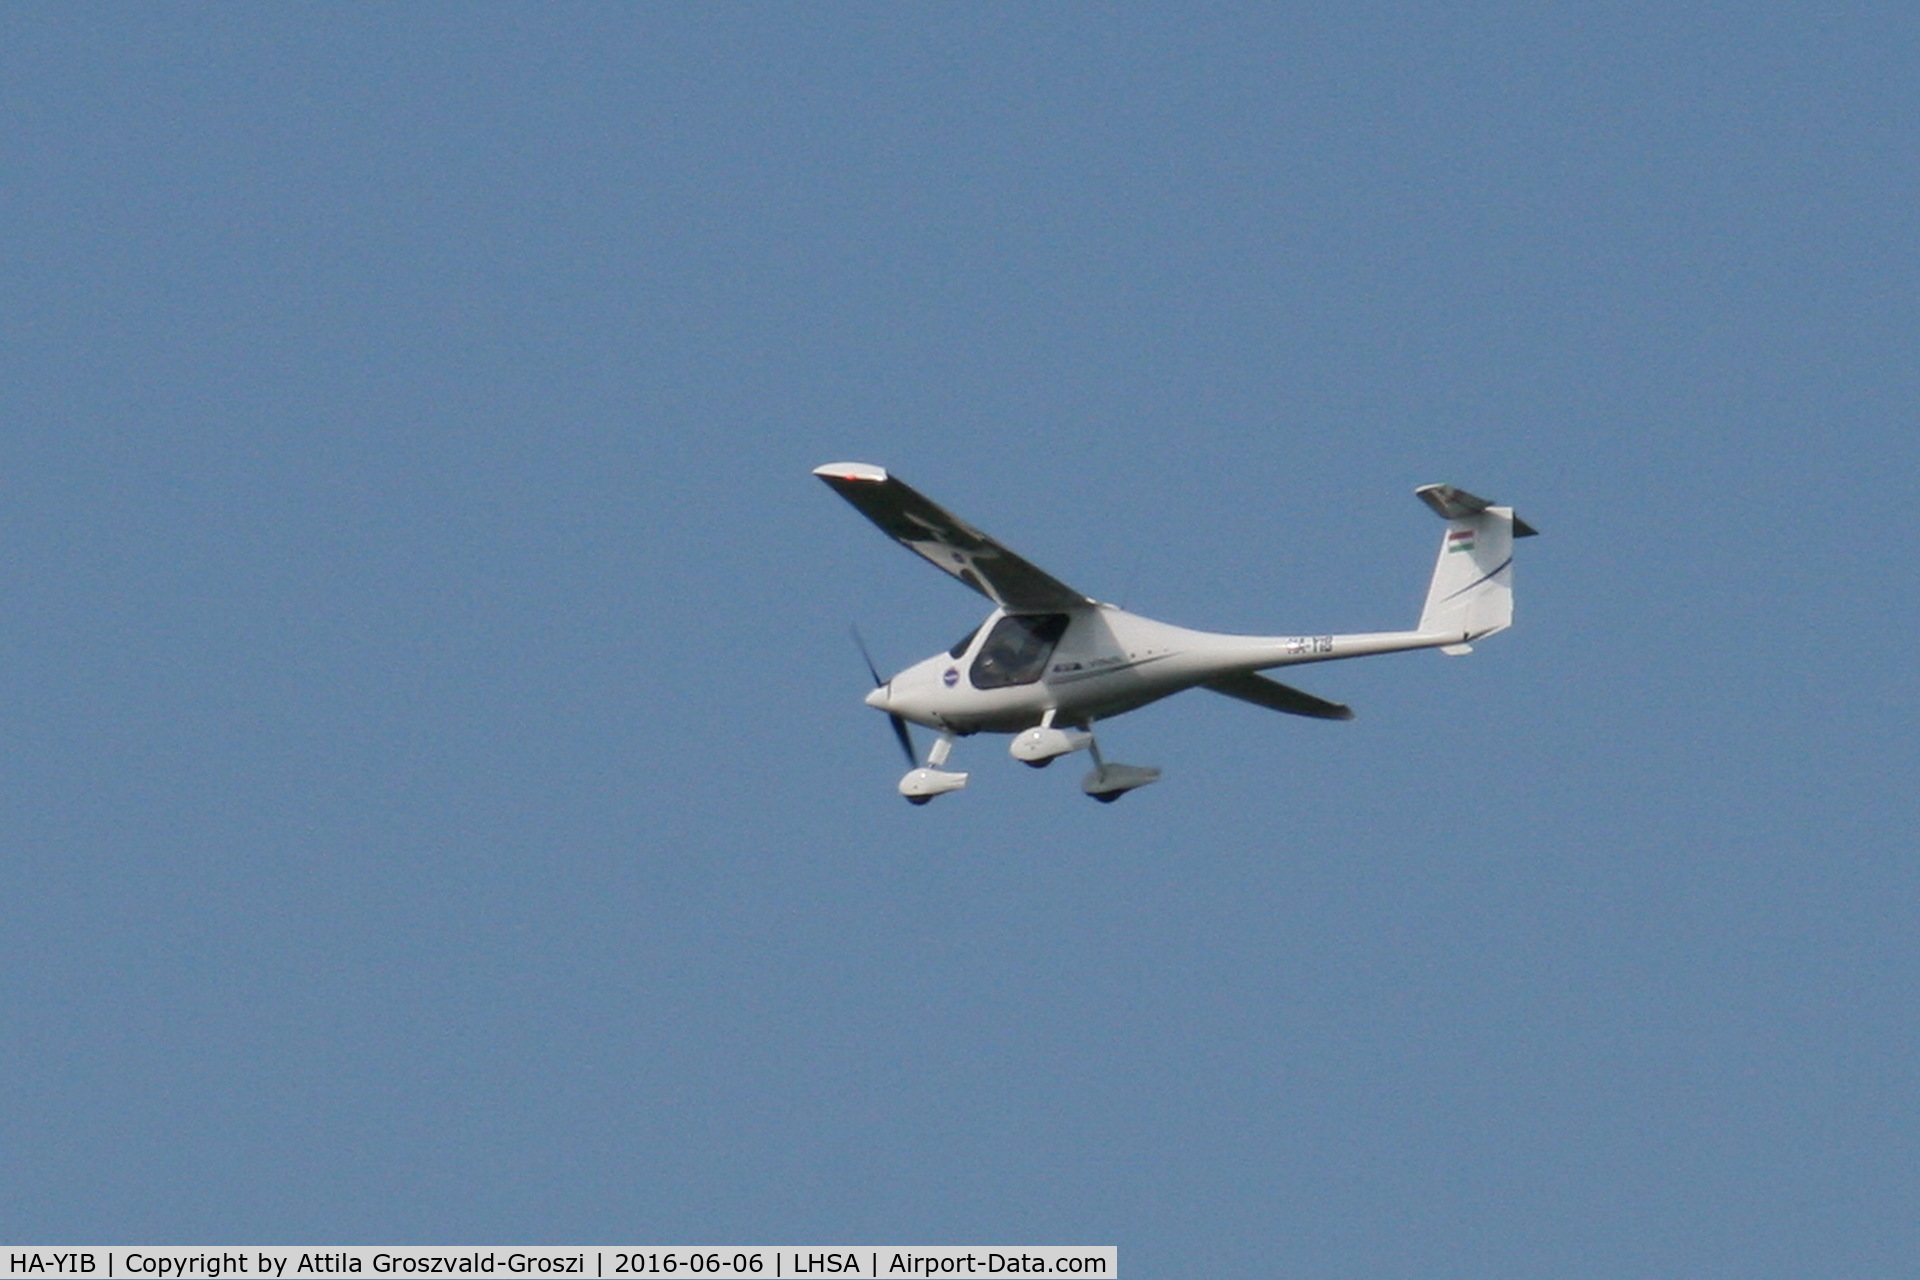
(1471,594)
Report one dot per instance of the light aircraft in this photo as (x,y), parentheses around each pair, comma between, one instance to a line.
(1049,662)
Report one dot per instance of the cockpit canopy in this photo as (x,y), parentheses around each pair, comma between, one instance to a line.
(1017,649)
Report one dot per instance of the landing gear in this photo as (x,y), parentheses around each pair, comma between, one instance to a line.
(1038,747)
(1108,782)
(1041,745)
(921,785)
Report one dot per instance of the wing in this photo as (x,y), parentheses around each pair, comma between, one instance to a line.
(1262,692)
(907,517)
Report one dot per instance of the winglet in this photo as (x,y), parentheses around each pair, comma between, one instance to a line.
(851,471)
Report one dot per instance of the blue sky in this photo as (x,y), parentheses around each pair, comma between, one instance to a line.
(438,804)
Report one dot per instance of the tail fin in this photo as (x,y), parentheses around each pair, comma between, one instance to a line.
(1472,590)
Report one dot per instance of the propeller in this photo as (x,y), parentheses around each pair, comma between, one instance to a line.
(899,723)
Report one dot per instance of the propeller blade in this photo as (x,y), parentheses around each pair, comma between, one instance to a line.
(906,739)
(899,723)
(871,669)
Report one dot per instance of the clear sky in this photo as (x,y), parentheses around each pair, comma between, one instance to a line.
(436,803)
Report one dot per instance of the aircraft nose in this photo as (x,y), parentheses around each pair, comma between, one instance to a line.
(878,698)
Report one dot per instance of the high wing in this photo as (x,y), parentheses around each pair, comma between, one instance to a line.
(906,516)
(1275,696)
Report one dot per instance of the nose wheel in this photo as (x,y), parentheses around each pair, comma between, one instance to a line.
(921,785)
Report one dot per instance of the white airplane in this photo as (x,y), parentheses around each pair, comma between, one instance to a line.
(1049,662)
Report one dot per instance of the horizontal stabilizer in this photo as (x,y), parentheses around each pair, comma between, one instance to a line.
(1450,503)
(1274,696)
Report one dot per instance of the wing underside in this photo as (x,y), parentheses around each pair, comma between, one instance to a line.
(948,542)
(1275,696)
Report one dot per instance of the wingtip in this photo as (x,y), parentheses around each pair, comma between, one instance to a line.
(851,471)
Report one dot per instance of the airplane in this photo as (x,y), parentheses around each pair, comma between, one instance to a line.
(1050,662)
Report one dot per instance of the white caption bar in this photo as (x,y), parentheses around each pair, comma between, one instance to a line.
(602,1262)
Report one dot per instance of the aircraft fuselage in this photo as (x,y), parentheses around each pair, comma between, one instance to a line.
(1091,664)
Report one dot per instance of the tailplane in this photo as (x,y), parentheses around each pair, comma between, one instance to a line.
(1472,590)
